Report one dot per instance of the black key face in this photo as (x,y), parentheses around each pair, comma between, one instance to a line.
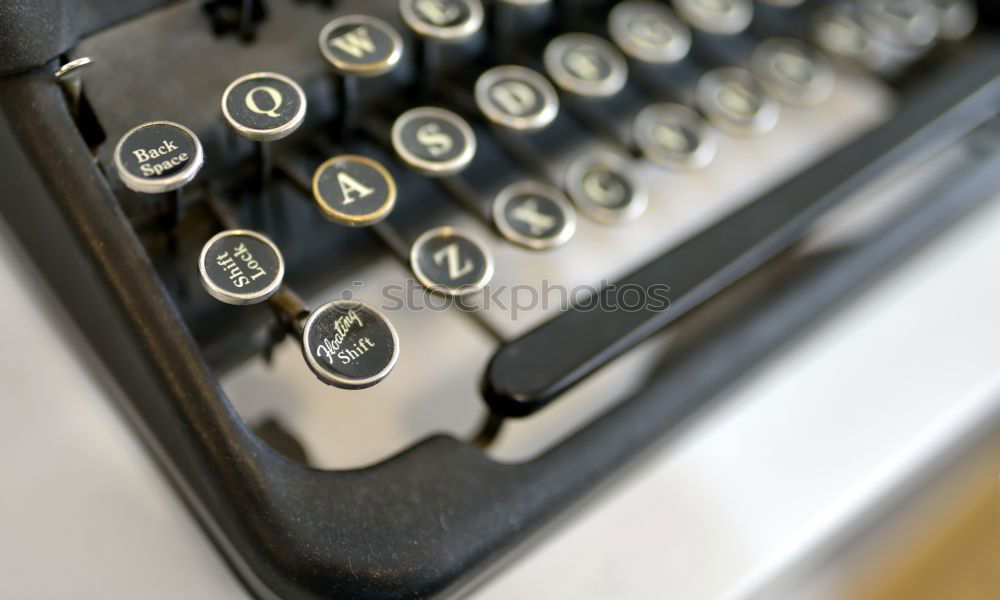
(586,65)
(264,106)
(604,188)
(735,102)
(533,215)
(158,157)
(447,20)
(724,17)
(517,98)
(792,72)
(451,262)
(349,344)
(360,45)
(354,190)
(674,136)
(433,140)
(241,267)
(649,32)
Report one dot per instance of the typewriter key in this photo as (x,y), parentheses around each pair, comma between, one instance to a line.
(605,188)
(360,45)
(585,65)
(723,17)
(264,107)
(735,102)
(517,98)
(354,190)
(357,46)
(158,157)
(906,23)
(837,32)
(442,20)
(649,31)
(434,141)
(956,18)
(674,136)
(241,267)
(534,215)
(349,344)
(450,262)
(791,72)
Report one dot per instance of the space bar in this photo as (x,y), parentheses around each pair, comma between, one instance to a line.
(529,372)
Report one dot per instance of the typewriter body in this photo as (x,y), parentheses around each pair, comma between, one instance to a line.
(281,227)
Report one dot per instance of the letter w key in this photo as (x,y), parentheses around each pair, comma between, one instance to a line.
(358,43)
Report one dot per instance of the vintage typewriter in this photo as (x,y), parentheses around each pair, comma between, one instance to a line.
(285,229)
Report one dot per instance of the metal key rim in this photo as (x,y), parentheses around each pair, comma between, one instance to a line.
(612,162)
(703,155)
(761,122)
(536,189)
(350,220)
(538,82)
(432,167)
(817,91)
(452,33)
(673,51)
(236,298)
(362,70)
(617,65)
(731,23)
(165,184)
(274,133)
(348,383)
(454,292)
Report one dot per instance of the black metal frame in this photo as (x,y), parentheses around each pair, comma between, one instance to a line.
(435,518)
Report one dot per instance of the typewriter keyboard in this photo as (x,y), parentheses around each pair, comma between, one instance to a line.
(362,209)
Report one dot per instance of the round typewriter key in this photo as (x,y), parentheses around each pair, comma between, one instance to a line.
(349,344)
(674,136)
(907,23)
(360,45)
(725,17)
(534,215)
(517,98)
(158,157)
(433,140)
(735,102)
(956,18)
(791,72)
(604,187)
(443,20)
(241,267)
(264,106)
(649,31)
(586,65)
(451,262)
(837,32)
(354,190)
